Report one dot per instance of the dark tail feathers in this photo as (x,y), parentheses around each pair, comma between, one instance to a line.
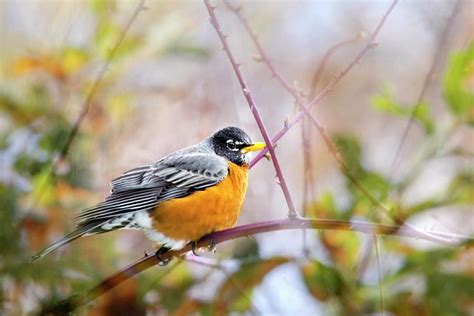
(80,231)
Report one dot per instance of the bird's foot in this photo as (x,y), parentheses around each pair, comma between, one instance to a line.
(212,246)
(194,248)
(162,261)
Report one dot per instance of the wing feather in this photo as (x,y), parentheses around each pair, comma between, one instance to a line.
(143,188)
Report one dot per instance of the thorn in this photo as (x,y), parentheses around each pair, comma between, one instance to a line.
(258,58)
(373,44)
(333,74)
(213,7)
(145,254)
(237,65)
(268,156)
(277,180)
(225,36)
(286,122)
(246,91)
(145,8)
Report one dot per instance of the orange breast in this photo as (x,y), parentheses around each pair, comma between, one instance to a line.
(213,209)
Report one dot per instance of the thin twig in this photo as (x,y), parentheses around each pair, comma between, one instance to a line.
(237,232)
(299,100)
(253,108)
(330,87)
(322,64)
(261,51)
(427,81)
(379,268)
(328,140)
(91,95)
(428,78)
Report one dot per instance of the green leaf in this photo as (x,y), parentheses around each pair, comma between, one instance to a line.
(427,261)
(384,102)
(461,189)
(234,294)
(188,50)
(323,282)
(350,150)
(342,246)
(247,248)
(458,94)
(449,294)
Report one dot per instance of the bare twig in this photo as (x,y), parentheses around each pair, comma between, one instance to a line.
(328,140)
(323,62)
(379,268)
(253,109)
(233,233)
(261,51)
(91,95)
(426,82)
(299,100)
(316,100)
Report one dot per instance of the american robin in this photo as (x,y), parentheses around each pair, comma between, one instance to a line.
(182,197)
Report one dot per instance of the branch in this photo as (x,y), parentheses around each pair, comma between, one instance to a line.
(263,55)
(213,239)
(253,109)
(316,100)
(323,62)
(428,78)
(327,139)
(91,95)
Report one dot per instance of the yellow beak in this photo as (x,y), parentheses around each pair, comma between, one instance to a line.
(253,147)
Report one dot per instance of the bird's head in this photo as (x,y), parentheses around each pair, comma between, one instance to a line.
(234,144)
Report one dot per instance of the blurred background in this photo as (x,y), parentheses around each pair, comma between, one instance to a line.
(169,85)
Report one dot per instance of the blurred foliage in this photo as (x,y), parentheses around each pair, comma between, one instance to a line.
(35,207)
(458,88)
(385,103)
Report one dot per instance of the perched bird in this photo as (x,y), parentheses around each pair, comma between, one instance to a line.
(182,197)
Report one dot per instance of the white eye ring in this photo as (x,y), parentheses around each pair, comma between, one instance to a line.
(231,145)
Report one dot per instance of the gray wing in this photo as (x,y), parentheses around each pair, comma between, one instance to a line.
(145,187)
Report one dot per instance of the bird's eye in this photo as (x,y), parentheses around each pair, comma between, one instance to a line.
(231,145)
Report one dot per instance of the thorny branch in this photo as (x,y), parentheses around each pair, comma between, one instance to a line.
(330,87)
(253,109)
(213,239)
(327,139)
(427,81)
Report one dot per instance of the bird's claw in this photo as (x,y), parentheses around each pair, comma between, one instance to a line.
(162,261)
(193,248)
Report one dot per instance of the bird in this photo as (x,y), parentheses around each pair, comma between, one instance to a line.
(179,199)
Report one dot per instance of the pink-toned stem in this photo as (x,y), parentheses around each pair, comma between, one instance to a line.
(299,100)
(316,100)
(237,232)
(320,68)
(261,51)
(253,109)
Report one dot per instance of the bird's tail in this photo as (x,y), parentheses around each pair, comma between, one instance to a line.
(80,231)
